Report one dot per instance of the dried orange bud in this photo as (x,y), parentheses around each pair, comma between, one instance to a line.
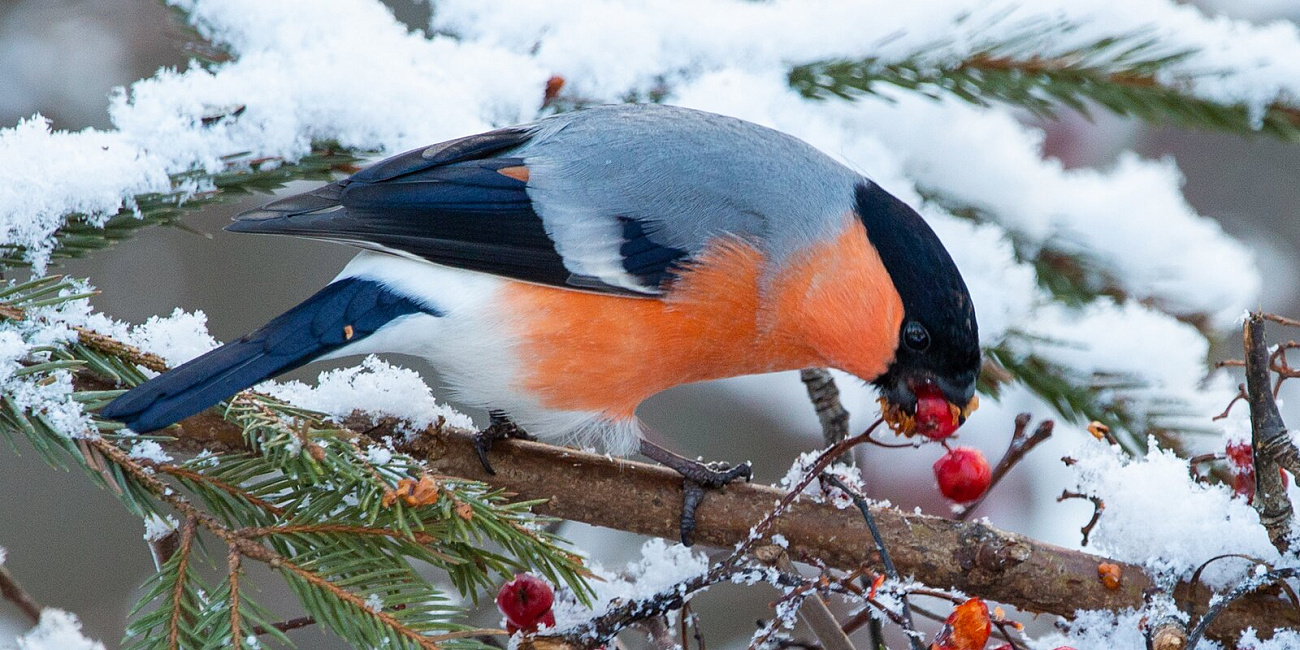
(412,492)
(875,586)
(553,86)
(967,628)
(464,511)
(1109,575)
(894,416)
(1098,430)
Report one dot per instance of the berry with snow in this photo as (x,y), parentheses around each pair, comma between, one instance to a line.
(963,474)
(526,603)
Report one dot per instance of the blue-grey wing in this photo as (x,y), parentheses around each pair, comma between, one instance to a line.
(613,199)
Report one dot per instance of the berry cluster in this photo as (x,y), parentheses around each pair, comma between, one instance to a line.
(963,473)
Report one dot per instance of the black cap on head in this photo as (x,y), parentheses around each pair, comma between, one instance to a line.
(938,340)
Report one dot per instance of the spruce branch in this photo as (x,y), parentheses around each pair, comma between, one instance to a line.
(192,190)
(297,493)
(1129,75)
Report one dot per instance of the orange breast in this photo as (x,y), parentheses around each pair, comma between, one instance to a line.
(830,305)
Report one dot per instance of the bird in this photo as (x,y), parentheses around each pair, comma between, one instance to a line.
(558,273)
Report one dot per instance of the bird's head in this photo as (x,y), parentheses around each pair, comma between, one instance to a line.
(937,359)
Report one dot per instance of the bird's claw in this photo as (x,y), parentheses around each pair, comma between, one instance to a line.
(499,428)
(697,478)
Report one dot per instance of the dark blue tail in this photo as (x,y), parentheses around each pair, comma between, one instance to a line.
(340,314)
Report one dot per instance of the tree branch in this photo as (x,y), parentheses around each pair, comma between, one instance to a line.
(968,556)
(1269,438)
(13,592)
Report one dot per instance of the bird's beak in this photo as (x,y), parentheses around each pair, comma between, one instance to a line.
(959,393)
(899,396)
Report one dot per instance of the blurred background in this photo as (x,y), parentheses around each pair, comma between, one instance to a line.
(76,549)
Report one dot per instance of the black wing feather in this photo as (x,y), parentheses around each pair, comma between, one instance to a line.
(450,205)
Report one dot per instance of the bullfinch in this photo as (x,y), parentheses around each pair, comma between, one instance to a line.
(559,273)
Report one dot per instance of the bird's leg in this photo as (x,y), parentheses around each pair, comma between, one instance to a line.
(499,428)
(696,478)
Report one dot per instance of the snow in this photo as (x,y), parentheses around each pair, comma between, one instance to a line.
(661,566)
(176,338)
(346,70)
(151,451)
(1158,516)
(1102,630)
(156,527)
(1280,640)
(820,491)
(376,387)
(379,455)
(57,630)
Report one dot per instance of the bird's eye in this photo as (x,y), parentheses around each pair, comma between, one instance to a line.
(915,336)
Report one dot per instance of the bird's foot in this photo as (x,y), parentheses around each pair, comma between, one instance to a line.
(696,478)
(499,427)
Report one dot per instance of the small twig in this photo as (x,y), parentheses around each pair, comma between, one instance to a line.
(1098,506)
(825,396)
(817,615)
(163,548)
(286,625)
(909,626)
(688,613)
(14,593)
(1241,395)
(604,627)
(1217,605)
(1280,320)
(658,632)
(1020,445)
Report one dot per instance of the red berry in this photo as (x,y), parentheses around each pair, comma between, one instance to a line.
(935,418)
(526,600)
(1241,462)
(546,620)
(1240,454)
(963,474)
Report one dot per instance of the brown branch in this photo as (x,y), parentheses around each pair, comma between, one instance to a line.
(1020,445)
(825,396)
(178,592)
(1269,438)
(967,556)
(233,561)
(13,592)
(1241,395)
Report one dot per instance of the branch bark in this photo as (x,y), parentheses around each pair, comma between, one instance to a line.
(1269,439)
(13,592)
(626,495)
